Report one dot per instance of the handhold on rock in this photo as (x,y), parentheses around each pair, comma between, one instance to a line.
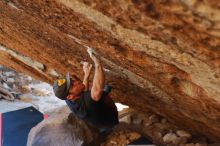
(90,51)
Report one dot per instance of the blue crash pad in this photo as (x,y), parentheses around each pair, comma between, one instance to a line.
(15,126)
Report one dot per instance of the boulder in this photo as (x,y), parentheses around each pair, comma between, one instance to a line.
(62,128)
(160,55)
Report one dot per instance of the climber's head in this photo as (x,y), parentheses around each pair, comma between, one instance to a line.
(68,89)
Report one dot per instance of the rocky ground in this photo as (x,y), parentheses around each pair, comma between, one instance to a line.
(31,93)
(133,124)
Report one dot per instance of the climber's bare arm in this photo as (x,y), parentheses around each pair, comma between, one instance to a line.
(87,69)
(98,80)
(86,82)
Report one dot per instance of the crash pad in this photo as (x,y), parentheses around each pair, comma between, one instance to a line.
(15,125)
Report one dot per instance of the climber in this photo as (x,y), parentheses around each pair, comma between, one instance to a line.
(94,105)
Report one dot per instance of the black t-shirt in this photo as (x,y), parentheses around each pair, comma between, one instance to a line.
(102,113)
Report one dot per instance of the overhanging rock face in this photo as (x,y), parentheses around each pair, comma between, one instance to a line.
(160,55)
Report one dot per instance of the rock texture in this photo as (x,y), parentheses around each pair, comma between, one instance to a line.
(61,129)
(161,55)
(154,127)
